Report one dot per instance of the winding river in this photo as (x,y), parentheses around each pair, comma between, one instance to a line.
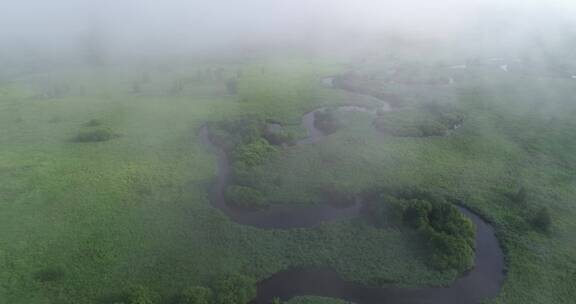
(480,283)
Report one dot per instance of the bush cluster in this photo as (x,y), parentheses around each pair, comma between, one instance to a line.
(245,197)
(228,289)
(542,220)
(253,153)
(449,235)
(95,136)
(279,136)
(249,142)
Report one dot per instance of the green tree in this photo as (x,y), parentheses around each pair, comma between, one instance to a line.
(450,252)
(254,153)
(246,197)
(416,213)
(141,295)
(234,289)
(196,295)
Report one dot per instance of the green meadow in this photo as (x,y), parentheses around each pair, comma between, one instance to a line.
(83,222)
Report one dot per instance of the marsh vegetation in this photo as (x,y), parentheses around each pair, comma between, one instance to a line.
(363,162)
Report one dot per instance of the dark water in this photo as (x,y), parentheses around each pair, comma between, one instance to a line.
(482,282)
(279,217)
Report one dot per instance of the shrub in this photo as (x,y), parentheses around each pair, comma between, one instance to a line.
(542,220)
(95,136)
(422,121)
(520,197)
(49,275)
(141,295)
(432,128)
(416,214)
(229,134)
(253,153)
(449,234)
(245,197)
(234,289)
(445,218)
(325,120)
(93,123)
(450,252)
(196,295)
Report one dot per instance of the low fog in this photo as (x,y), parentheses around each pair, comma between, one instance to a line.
(159,28)
(287,151)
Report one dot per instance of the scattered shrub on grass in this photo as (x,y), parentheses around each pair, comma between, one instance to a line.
(245,197)
(49,275)
(196,295)
(542,220)
(234,289)
(93,123)
(432,128)
(422,121)
(519,197)
(95,136)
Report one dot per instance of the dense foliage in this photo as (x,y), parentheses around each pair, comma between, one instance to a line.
(234,289)
(140,295)
(80,211)
(448,233)
(245,197)
(196,295)
(253,153)
(232,133)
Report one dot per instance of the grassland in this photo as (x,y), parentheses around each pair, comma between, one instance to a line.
(134,210)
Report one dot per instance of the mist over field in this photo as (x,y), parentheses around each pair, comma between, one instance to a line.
(150,27)
(287,151)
